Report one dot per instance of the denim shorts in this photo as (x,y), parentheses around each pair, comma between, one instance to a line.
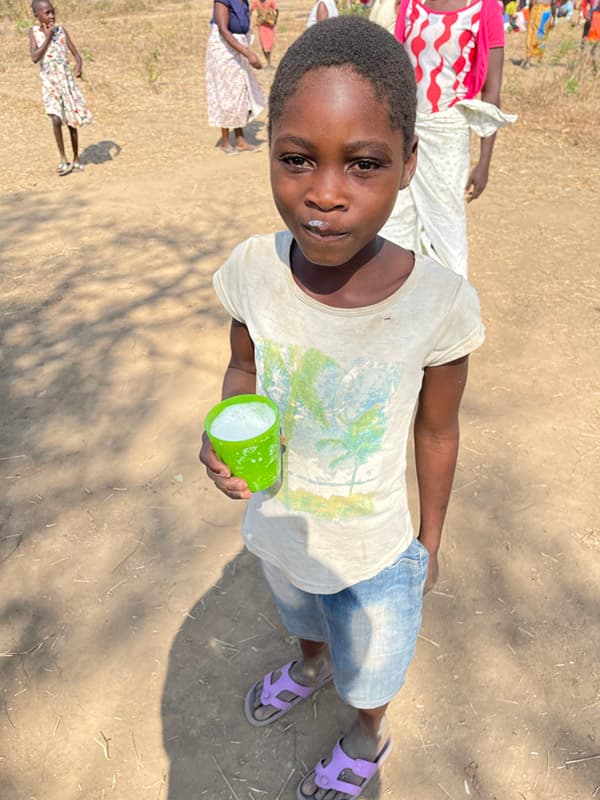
(371,627)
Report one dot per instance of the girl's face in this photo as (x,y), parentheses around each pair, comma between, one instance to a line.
(336,165)
(45,13)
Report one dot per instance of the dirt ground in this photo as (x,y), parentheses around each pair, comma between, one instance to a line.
(131,621)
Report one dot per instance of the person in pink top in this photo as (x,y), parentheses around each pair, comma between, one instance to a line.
(457,52)
(266,13)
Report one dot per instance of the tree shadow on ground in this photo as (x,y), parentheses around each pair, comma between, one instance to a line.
(98,362)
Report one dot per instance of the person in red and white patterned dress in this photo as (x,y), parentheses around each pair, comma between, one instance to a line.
(49,46)
(457,52)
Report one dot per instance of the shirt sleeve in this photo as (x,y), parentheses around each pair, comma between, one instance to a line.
(462,331)
(228,284)
(495,23)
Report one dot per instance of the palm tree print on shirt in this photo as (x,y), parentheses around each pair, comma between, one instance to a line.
(333,419)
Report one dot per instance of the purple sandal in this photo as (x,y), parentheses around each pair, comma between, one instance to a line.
(328,777)
(271,691)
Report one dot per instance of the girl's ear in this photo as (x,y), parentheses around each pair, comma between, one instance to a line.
(410,164)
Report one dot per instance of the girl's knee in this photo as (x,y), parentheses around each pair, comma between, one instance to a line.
(56,121)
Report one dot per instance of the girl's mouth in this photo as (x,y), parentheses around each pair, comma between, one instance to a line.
(323,230)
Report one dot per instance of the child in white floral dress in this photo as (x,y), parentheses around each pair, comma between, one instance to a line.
(63,101)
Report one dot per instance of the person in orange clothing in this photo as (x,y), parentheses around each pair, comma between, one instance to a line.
(591,25)
(542,17)
(266,19)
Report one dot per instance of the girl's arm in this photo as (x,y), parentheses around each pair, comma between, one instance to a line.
(75,53)
(322,12)
(436,449)
(490,94)
(222,22)
(37,53)
(240,378)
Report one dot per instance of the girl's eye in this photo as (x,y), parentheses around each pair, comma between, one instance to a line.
(295,161)
(366,164)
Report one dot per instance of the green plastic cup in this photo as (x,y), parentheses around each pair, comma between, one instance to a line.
(244,430)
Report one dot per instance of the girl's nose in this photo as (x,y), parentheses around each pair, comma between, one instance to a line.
(327,190)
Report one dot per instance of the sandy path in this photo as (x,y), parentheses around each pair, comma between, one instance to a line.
(131,623)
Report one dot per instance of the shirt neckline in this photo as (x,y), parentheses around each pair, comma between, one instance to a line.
(442,13)
(308,300)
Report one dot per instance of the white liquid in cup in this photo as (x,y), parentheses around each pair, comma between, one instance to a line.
(242,421)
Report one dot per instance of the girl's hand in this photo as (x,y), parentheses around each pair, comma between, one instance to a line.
(78,70)
(477,182)
(433,571)
(254,60)
(236,488)
(50,28)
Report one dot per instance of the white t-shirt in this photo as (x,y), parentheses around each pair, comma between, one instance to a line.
(332,11)
(346,381)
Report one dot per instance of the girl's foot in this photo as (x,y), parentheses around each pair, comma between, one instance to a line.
(64,168)
(244,147)
(228,150)
(78,165)
(289,686)
(356,746)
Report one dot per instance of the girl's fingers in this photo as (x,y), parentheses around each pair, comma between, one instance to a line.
(236,488)
(209,458)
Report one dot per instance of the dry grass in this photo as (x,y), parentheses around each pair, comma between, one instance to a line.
(21,9)
(562,95)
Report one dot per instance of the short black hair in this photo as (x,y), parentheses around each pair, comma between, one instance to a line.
(368,49)
(36,3)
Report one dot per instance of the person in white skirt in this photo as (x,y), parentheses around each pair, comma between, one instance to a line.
(457,53)
(322,9)
(233,96)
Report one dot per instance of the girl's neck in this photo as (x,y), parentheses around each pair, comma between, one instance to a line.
(370,277)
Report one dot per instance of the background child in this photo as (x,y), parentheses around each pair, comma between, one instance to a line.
(63,102)
(347,333)
(542,16)
(266,20)
(233,95)
(591,27)
(457,52)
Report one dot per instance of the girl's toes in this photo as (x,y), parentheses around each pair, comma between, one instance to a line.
(309,787)
(257,693)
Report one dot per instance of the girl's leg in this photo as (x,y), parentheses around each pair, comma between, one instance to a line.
(366,739)
(300,613)
(73,133)
(58,136)
(267,57)
(240,142)
(372,631)
(225,144)
(310,670)
(315,663)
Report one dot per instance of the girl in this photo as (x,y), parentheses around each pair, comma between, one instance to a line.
(542,17)
(266,19)
(64,103)
(348,334)
(233,96)
(457,51)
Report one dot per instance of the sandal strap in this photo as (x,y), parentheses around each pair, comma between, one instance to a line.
(285,683)
(327,777)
